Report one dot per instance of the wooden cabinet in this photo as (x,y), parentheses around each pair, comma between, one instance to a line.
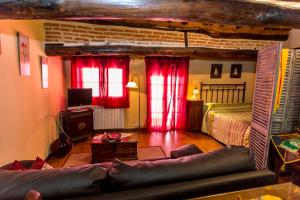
(194,115)
(78,124)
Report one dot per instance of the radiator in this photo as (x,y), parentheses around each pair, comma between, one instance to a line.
(108,118)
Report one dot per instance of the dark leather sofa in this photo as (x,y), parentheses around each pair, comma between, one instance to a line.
(224,170)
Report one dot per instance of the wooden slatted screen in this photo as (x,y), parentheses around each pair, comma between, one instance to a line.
(278,118)
(267,63)
(293,101)
(286,118)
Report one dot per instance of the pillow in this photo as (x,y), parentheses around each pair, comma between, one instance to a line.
(186,150)
(52,184)
(205,165)
(16,165)
(25,163)
(40,164)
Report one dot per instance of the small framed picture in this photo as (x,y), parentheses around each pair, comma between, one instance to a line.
(216,71)
(23,49)
(236,71)
(44,61)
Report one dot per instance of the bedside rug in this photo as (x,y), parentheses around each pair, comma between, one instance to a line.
(144,153)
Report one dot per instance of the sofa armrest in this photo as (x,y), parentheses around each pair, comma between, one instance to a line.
(53,183)
(186,150)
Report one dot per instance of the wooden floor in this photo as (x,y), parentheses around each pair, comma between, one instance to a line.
(168,141)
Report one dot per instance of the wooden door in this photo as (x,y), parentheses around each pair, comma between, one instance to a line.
(265,84)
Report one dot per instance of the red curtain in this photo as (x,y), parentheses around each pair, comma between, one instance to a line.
(107,76)
(167,81)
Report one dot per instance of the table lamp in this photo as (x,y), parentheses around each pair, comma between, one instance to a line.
(195,93)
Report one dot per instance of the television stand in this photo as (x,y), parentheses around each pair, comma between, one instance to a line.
(78,124)
(77,110)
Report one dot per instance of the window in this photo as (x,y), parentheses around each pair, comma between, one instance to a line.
(107,76)
(175,100)
(90,79)
(167,79)
(172,101)
(115,82)
(157,91)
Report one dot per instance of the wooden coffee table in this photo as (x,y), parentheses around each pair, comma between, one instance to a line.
(125,149)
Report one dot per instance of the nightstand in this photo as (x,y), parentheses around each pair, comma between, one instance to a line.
(194,115)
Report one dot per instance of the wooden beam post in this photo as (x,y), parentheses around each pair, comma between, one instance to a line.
(192,52)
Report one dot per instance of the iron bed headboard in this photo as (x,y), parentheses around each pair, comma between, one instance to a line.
(221,92)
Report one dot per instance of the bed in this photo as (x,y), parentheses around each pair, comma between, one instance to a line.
(226,118)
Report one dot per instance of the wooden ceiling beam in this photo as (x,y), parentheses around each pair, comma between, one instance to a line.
(233,12)
(213,30)
(192,52)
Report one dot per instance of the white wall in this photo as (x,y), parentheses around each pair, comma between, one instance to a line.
(26,126)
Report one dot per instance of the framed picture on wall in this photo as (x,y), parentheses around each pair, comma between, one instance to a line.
(236,71)
(0,46)
(44,61)
(216,71)
(23,49)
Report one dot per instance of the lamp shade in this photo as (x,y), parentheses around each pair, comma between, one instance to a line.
(195,91)
(131,84)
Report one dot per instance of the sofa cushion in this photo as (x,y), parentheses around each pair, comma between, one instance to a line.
(52,183)
(186,150)
(147,173)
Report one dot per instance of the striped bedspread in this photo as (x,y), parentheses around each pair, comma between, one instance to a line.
(228,123)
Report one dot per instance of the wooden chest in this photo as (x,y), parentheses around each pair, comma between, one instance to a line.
(126,149)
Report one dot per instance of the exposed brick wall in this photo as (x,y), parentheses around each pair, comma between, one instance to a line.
(201,40)
(73,33)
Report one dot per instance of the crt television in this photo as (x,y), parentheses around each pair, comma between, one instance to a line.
(79,97)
